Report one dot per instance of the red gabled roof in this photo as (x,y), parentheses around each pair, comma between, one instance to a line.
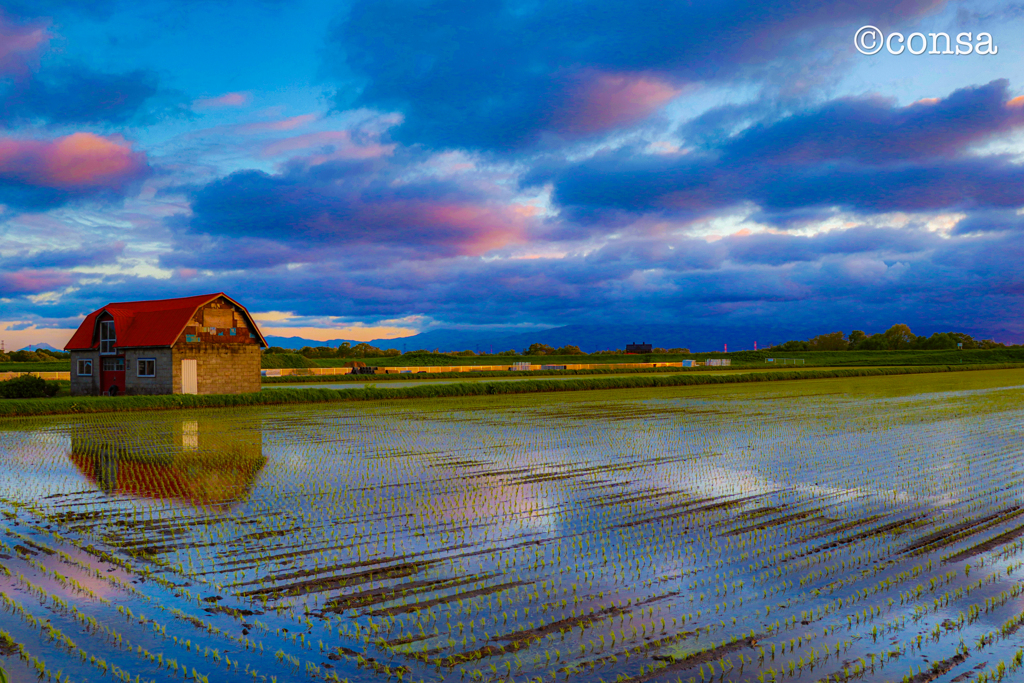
(148,323)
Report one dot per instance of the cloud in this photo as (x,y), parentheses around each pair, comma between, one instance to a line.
(861,154)
(40,174)
(93,255)
(500,75)
(23,282)
(290,123)
(65,91)
(873,130)
(861,277)
(323,202)
(20,45)
(76,95)
(332,144)
(993,220)
(231,99)
(597,102)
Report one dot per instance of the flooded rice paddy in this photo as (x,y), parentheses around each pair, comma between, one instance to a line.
(826,530)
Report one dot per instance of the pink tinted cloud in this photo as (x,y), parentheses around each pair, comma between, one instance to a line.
(231,99)
(436,227)
(600,101)
(290,123)
(20,45)
(33,281)
(336,144)
(475,229)
(80,161)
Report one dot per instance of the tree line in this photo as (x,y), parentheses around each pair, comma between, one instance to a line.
(40,356)
(364,350)
(896,338)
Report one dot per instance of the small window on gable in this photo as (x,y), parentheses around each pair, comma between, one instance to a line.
(107,338)
(146,367)
(84,367)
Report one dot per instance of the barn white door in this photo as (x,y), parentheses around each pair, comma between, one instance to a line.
(189,385)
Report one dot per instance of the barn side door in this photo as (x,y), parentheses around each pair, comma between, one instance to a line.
(189,384)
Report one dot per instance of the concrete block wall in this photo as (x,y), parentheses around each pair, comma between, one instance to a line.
(220,368)
(161,384)
(85,386)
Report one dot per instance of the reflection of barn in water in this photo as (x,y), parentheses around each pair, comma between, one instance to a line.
(193,460)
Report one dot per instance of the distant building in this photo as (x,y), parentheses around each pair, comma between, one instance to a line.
(205,344)
(638,348)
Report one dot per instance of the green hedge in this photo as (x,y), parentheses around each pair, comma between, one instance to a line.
(28,386)
(101,404)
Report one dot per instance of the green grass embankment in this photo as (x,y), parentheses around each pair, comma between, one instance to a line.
(100,404)
(470,375)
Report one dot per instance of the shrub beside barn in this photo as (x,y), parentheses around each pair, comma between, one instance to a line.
(205,344)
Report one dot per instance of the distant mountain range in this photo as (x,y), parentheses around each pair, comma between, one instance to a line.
(36,347)
(589,338)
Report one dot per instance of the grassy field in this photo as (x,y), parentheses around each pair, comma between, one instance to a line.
(55,366)
(104,404)
(846,528)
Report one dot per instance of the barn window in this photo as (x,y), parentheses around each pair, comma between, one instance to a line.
(84,367)
(146,367)
(107,337)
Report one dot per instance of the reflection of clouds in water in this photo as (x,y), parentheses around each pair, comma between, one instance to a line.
(35,464)
(296,460)
(875,403)
(715,480)
(528,506)
(540,508)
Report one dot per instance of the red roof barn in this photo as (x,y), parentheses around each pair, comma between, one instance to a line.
(205,344)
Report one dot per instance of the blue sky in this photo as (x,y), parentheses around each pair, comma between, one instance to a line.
(370,169)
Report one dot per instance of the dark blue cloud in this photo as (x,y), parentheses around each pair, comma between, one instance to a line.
(873,130)
(354,205)
(863,155)
(94,255)
(864,278)
(993,220)
(74,95)
(498,75)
